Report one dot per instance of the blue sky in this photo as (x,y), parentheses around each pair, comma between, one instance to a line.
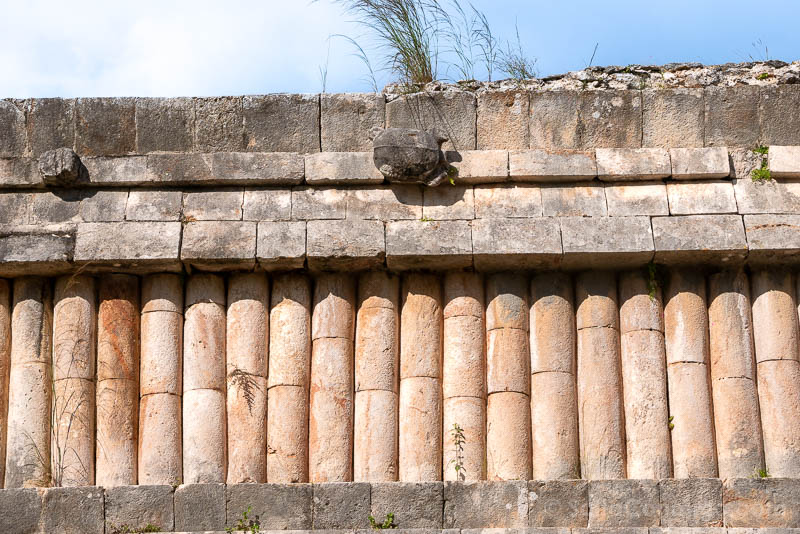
(202,47)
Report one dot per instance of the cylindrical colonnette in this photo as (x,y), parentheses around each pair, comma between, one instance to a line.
(117,380)
(5,365)
(508,382)
(330,425)
(247,336)
(288,381)
(161,381)
(554,406)
(600,406)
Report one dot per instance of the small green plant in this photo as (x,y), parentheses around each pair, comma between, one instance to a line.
(246,524)
(458,447)
(125,529)
(761,149)
(762,173)
(388,523)
(452,172)
(671,424)
(425,219)
(761,473)
(246,383)
(764,76)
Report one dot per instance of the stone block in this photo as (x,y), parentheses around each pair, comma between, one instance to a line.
(691,502)
(423,245)
(585,199)
(448,202)
(50,123)
(415,505)
(139,506)
(543,166)
(632,164)
(606,242)
(345,245)
(385,203)
(510,244)
(55,207)
(784,161)
(761,502)
(200,507)
(150,205)
(219,245)
(267,205)
(769,196)
(452,113)
(503,120)
(105,126)
(277,506)
(181,168)
(13,137)
(341,505)
(103,205)
(772,238)
(281,123)
(642,198)
(20,510)
(554,120)
(347,118)
(130,170)
(558,503)
(267,168)
(610,119)
(696,238)
(328,168)
(217,205)
(699,163)
(615,530)
(780,120)
(311,203)
(731,116)
(672,117)
(73,510)
(218,124)
(479,166)
(36,249)
(486,504)
(698,198)
(132,244)
(507,201)
(164,124)
(624,503)
(19,172)
(14,208)
(696,530)
(281,245)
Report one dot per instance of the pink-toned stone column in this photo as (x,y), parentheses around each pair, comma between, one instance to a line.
(330,425)
(30,385)
(464,377)
(508,381)
(5,367)
(740,449)
(117,380)
(644,378)
(289,378)
(247,337)
(554,405)
(775,332)
(204,407)
(686,338)
(600,407)
(161,381)
(377,362)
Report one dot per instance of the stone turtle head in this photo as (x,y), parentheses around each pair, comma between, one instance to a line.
(406,155)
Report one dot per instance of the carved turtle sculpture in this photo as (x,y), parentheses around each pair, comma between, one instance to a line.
(404,155)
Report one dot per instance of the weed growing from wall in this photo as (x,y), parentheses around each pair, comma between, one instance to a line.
(762,173)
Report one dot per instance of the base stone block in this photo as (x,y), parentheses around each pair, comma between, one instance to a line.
(558,503)
(414,504)
(136,507)
(691,502)
(624,503)
(200,507)
(496,504)
(73,510)
(277,506)
(341,505)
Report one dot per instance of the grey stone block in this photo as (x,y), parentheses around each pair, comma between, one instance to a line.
(13,137)
(164,124)
(278,506)
(448,203)
(219,245)
(585,199)
(181,168)
(624,503)
(200,507)
(632,164)
(103,205)
(281,123)
(19,172)
(510,244)
(478,166)
(486,504)
(719,239)
(36,249)
(769,196)
(14,208)
(772,238)
(385,203)
(696,530)
(691,502)
(761,502)
(133,244)
(414,504)
(542,166)
(217,205)
(345,245)
(672,117)
(616,530)
(784,161)
(218,124)
(453,113)
(503,120)
(699,163)
(269,168)
(507,201)
(698,198)
(731,116)
(105,126)
(131,170)
(51,124)
(281,245)
(347,118)
(558,503)
(73,510)
(149,205)
(55,207)
(341,505)
(327,168)
(780,120)
(139,506)
(20,510)
(313,203)
(610,119)
(428,245)
(554,120)
(267,205)
(606,242)
(643,198)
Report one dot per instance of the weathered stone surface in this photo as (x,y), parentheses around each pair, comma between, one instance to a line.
(507,201)
(699,198)
(341,168)
(621,164)
(123,170)
(146,205)
(136,244)
(268,168)
(699,163)
(385,203)
(164,124)
(470,415)
(415,505)
(731,116)
(770,196)
(12,125)
(478,166)
(453,113)
(60,166)
(105,126)
(375,439)
(606,241)
(779,127)
(629,503)
(693,238)
(508,429)
(347,118)
(345,245)
(486,504)
(287,431)
(216,244)
(503,120)
(543,166)
(448,203)
(610,119)
(216,205)
(5,368)
(341,505)
(30,250)
(281,245)
(761,502)
(139,506)
(317,203)
(584,199)
(160,439)
(51,123)
(277,506)
(778,391)
(55,207)
(180,168)
(20,510)
(199,507)
(554,120)
(267,205)
(672,117)
(14,208)
(103,206)
(421,244)
(507,244)
(117,431)
(420,430)
(642,198)
(19,172)
(784,161)
(691,502)
(772,238)
(281,123)
(218,124)
(558,503)
(73,510)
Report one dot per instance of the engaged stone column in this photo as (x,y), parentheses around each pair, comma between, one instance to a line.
(740,450)
(508,367)
(204,423)
(289,370)
(30,385)
(247,336)
(376,375)
(686,339)
(117,380)
(420,436)
(161,381)
(600,411)
(644,377)
(554,406)
(5,367)
(464,378)
(775,332)
(330,423)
